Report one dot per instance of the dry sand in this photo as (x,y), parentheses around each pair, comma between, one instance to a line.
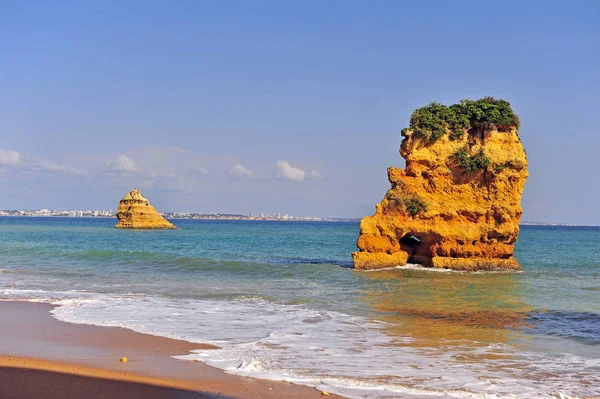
(41,357)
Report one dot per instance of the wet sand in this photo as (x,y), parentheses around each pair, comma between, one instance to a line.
(43,357)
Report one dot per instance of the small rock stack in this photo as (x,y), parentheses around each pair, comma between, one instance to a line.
(135,212)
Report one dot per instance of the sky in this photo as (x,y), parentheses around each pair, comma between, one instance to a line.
(279,106)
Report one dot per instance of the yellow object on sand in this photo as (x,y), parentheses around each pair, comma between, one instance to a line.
(325,393)
(123,360)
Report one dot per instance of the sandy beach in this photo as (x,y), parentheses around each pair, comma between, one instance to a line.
(43,357)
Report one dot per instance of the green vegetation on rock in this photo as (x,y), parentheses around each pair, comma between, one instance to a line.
(471,163)
(434,120)
(500,168)
(415,205)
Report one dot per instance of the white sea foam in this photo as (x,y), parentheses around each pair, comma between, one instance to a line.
(413,266)
(419,267)
(349,355)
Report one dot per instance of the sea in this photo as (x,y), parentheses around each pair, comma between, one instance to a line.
(282,302)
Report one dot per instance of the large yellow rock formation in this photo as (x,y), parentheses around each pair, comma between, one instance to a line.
(457,203)
(135,212)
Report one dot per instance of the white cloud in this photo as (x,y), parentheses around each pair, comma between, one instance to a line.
(56,168)
(285,171)
(313,175)
(159,175)
(122,164)
(200,171)
(239,172)
(9,157)
(32,164)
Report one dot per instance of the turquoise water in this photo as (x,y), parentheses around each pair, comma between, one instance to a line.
(282,302)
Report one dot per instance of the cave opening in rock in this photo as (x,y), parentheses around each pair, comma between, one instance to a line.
(410,243)
(410,240)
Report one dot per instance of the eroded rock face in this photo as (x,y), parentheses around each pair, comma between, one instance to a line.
(135,212)
(456,205)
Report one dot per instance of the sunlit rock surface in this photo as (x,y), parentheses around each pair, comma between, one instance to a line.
(135,212)
(456,205)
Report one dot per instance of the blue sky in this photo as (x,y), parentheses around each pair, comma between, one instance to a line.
(277,106)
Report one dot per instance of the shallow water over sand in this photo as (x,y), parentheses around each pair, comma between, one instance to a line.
(282,303)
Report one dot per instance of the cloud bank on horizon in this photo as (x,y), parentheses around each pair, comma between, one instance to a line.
(17,162)
(168,172)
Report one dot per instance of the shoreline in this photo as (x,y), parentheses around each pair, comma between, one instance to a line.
(39,349)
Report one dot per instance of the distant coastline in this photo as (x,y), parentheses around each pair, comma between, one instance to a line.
(526,223)
(217,216)
(174,215)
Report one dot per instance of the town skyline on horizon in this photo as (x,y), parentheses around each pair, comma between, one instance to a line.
(87,212)
(297,107)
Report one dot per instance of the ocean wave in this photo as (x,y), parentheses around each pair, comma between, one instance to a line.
(580,326)
(147,259)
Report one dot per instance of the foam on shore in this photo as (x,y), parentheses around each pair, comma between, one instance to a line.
(298,344)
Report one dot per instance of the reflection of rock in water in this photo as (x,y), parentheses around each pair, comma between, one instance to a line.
(449,306)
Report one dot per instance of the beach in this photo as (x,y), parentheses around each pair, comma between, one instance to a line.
(279,199)
(43,357)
